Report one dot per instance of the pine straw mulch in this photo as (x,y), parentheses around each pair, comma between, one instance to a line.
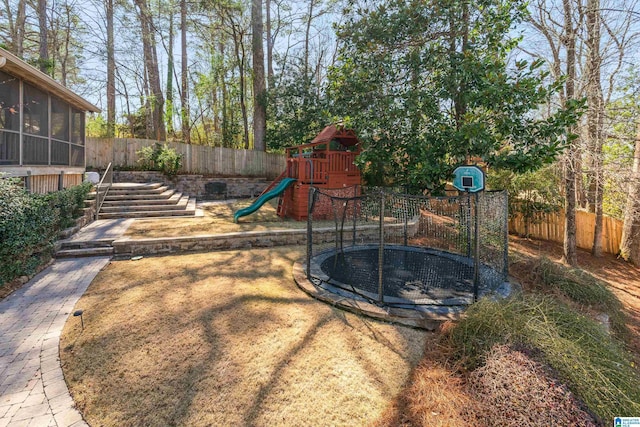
(511,389)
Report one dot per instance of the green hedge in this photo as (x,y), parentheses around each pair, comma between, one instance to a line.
(30,224)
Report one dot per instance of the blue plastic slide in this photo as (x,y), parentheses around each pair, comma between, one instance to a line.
(278,190)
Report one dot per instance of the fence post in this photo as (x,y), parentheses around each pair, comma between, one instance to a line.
(61,181)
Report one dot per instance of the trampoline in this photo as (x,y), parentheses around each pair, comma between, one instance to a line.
(397,253)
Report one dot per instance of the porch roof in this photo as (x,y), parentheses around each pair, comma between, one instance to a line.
(17,67)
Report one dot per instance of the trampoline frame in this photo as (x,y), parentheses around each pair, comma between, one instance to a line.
(315,274)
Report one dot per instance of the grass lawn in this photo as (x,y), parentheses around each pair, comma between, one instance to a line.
(227,338)
(217,219)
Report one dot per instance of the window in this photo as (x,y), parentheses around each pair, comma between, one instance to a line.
(36,111)
(59,119)
(9,102)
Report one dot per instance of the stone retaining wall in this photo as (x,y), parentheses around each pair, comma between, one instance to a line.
(127,247)
(199,186)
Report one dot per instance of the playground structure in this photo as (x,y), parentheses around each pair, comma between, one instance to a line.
(327,162)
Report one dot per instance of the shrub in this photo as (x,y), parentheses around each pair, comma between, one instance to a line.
(595,366)
(160,158)
(30,223)
(169,161)
(148,156)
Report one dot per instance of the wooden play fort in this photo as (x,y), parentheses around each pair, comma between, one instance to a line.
(327,162)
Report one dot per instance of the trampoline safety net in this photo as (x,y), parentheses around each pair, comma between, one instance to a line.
(399,249)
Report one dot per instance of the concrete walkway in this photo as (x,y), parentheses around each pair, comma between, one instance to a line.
(32,387)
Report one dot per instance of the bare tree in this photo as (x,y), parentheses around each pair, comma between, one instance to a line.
(44,42)
(259,92)
(270,73)
(184,92)
(595,117)
(155,98)
(16,27)
(569,42)
(630,245)
(111,71)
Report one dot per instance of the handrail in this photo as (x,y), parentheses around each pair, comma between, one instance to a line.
(107,176)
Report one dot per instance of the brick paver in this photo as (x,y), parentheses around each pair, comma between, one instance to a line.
(102,229)
(32,387)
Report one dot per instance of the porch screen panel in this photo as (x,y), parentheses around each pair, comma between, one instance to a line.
(9,120)
(59,153)
(77,127)
(36,111)
(35,150)
(59,120)
(9,102)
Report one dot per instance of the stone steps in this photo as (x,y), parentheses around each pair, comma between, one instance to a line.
(167,193)
(132,200)
(178,202)
(174,198)
(188,209)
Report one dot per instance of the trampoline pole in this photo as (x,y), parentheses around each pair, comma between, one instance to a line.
(310,200)
(406,219)
(476,260)
(468,223)
(381,250)
(505,224)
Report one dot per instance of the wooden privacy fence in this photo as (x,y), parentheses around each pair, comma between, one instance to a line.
(200,159)
(551,227)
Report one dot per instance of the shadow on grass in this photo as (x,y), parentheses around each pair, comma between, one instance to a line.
(204,339)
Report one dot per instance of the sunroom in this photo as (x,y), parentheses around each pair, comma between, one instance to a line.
(42,127)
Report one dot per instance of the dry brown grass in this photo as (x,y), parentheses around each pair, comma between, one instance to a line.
(218,218)
(435,396)
(227,339)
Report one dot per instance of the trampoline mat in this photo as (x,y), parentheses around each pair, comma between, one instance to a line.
(409,274)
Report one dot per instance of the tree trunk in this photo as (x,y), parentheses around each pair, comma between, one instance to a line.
(111,72)
(226,121)
(630,244)
(270,74)
(169,103)
(184,94)
(259,93)
(45,66)
(240,59)
(21,19)
(595,120)
(307,35)
(156,101)
(569,40)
